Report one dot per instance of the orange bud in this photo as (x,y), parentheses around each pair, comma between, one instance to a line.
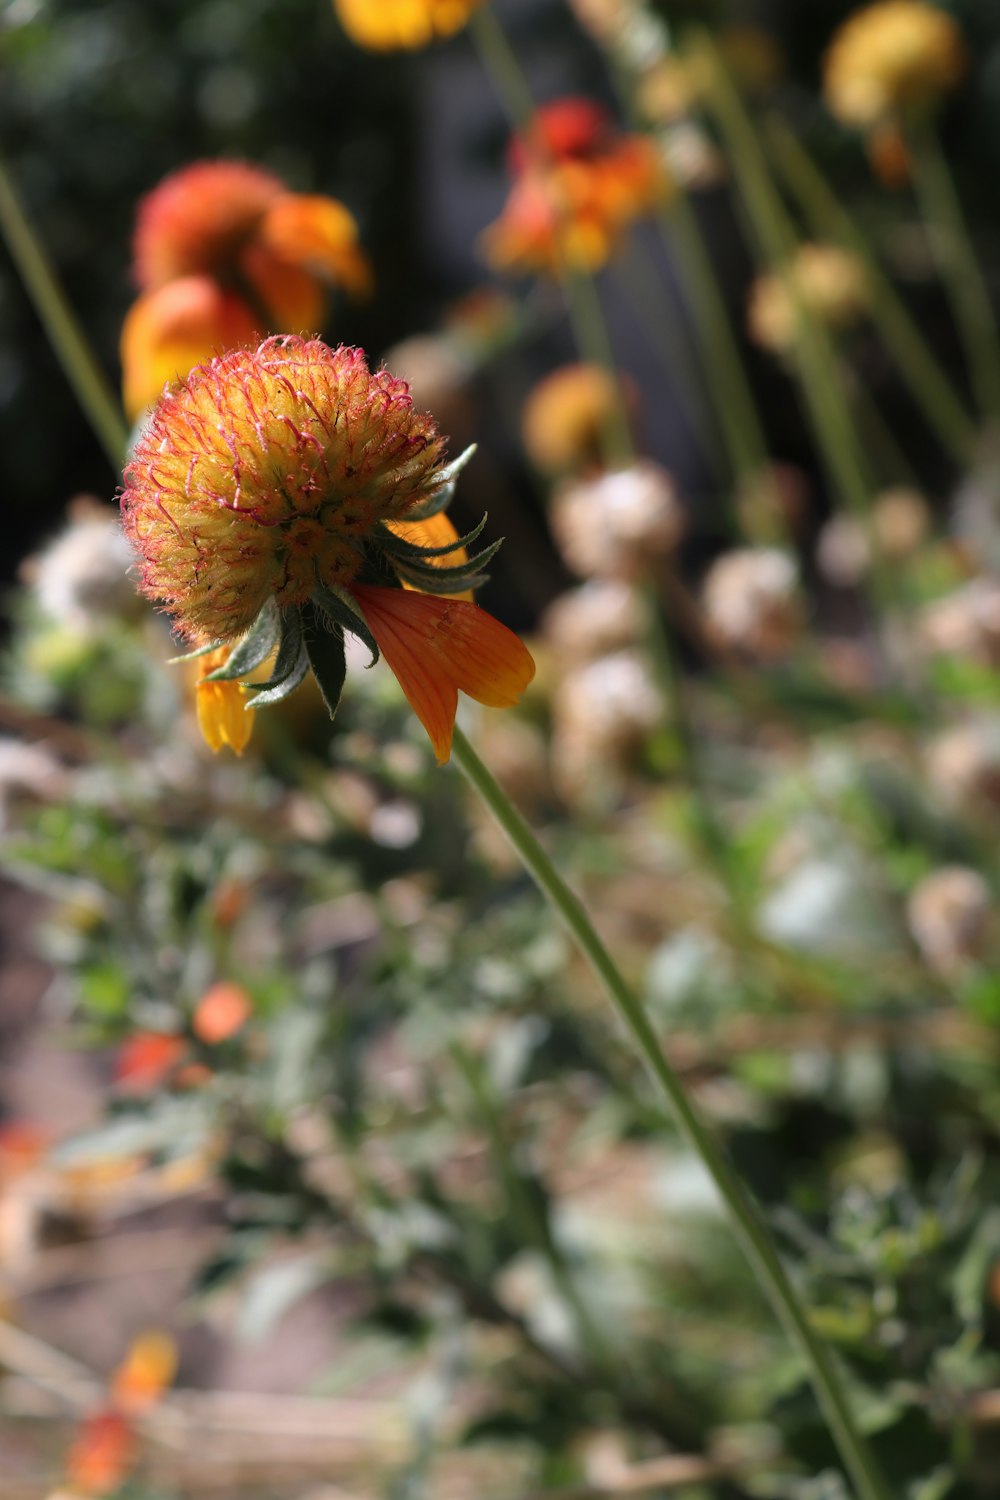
(146,1059)
(102,1454)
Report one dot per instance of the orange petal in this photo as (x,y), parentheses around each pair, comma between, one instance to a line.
(436,646)
(319,235)
(291,298)
(169,331)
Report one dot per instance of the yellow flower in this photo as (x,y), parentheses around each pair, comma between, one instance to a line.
(283,495)
(897,58)
(402,25)
(828,283)
(566,416)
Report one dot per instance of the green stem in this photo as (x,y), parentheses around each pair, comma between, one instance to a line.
(737,409)
(64,333)
(746,1222)
(917,365)
(960,271)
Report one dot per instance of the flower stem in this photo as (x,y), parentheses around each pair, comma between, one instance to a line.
(916,364)
(737,409)
(960,271)
(64,333)
(744,1217)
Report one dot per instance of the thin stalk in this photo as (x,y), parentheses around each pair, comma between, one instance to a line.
(60,324)
(915,362)
(745,1220)
(963,280)
(737,409)
(778,243)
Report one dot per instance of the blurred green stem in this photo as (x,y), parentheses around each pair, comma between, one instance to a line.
(746,1222)
(963,280)
(727,376)
(917,366)
(64,333)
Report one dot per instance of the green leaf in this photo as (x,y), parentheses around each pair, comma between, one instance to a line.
(467,569)
(255,648)
(400,547)
(324,643)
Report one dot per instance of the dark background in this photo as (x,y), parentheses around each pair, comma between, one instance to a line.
(99,99)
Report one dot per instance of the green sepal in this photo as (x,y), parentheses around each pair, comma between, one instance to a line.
(173,661)
(442,497)
(265,632)
(441,582)
(341,609)
(289,668)
(324,642)
(399,547)
(429,574)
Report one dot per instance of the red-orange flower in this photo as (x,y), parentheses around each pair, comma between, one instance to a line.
(578,186)
(283,495)
(223,254)
(102,1454)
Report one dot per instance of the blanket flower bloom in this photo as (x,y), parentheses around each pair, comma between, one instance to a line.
(281,496)
(224,253)
(578,186)
(402,25)
(893,60)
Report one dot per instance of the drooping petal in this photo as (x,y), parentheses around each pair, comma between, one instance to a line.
(321,236)
(221,707)
(435,531)
(436,646)
(169,331)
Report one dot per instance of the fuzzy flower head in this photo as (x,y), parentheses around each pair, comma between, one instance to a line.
(285,494)
(224,253)
(822,282)
(402,25)
(579,184)
(895,59)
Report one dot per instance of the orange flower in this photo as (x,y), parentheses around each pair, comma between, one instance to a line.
(578,186)
(401,25)
(222,1011)
(282,496)
(250,257)
(147,1059)
(103,1453)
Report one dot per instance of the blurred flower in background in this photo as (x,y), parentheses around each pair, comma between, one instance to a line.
(893,60)
(402,25)
(225,254)
(579,184)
